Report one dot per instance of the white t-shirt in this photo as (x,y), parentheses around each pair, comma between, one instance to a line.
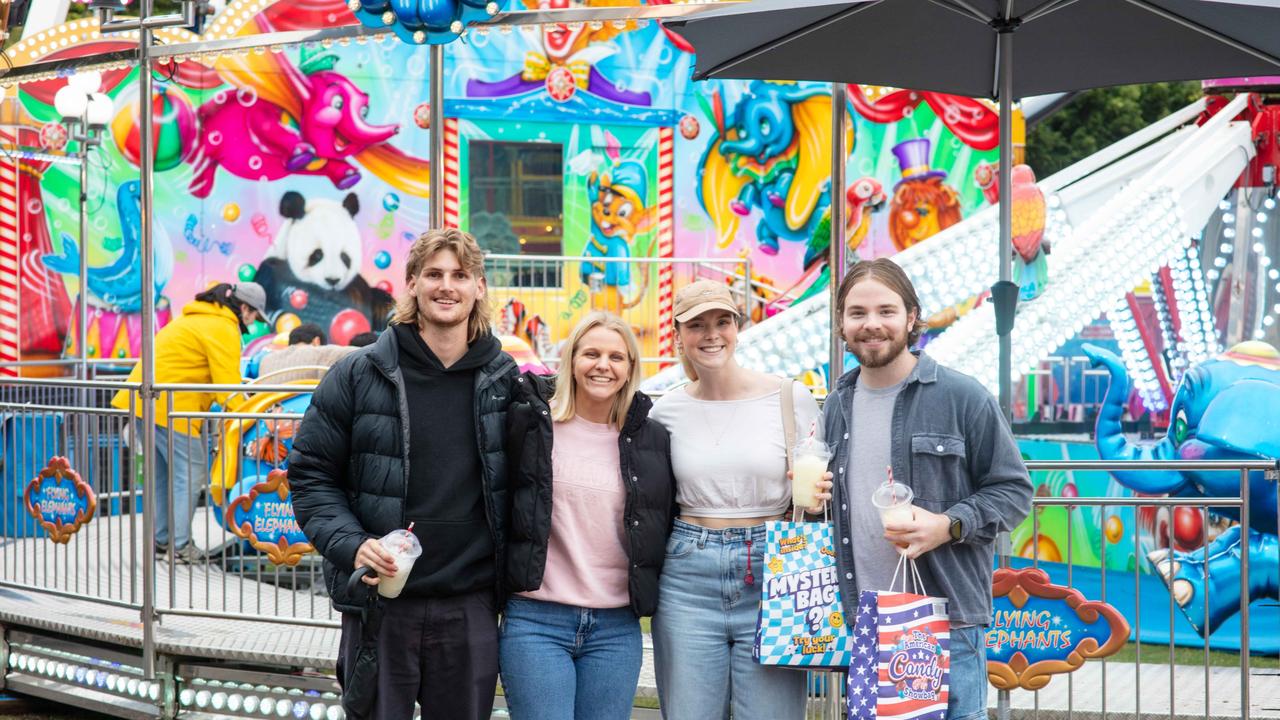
(729,456)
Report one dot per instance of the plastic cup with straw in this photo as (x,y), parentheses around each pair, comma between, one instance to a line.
(893,500)
(405,548)
(811,457)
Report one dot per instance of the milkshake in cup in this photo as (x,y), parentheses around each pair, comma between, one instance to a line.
(810,463)
(404,547)
(893,500)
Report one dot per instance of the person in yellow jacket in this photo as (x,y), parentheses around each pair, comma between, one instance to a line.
(202,346)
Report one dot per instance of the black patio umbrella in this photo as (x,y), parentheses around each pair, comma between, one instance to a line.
(967,47)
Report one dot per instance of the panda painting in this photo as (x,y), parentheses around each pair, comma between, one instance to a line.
(318,250)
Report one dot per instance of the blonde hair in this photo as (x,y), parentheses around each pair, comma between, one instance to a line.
(469,254)
(563,405)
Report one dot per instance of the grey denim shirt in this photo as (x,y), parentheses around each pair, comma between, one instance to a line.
(951,444)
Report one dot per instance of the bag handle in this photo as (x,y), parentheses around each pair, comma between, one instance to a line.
(787,400)
(910,575)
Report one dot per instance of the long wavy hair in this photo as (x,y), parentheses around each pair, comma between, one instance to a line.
(563,401)
(469,255)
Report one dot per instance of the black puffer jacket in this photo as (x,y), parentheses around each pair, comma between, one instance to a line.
(644,454)
(349,468)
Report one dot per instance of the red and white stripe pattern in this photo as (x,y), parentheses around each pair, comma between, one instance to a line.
(452,166)
(9,234)
(666,239)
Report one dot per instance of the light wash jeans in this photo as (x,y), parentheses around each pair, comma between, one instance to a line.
(705,630)
(968,689)
(560,662)
(189,468)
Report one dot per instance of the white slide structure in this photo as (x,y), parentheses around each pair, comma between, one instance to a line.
(1113,219)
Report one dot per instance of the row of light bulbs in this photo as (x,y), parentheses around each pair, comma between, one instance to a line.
(792,342)
(1226,250)
(240,698)
(81,670)
(1137,361)
(1199,336)
(260,700)
(960,262)
(1131,239)
(1177,359)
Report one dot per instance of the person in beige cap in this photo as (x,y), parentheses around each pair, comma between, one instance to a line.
(200,346)
(729,455)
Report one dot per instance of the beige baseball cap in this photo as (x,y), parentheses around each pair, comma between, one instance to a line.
(698,297)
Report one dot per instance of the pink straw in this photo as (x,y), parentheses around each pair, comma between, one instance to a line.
(890,469)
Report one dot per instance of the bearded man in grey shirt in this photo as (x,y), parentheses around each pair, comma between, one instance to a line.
(943,434)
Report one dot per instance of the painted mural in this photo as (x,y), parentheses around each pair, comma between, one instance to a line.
(305,170)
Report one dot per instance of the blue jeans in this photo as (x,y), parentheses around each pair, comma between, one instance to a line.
(968,690)
(560,662)
(189,468)
(705,630)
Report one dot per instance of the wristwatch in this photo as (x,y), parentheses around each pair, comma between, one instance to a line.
(956,529)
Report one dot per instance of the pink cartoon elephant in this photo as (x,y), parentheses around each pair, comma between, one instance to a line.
(284,120)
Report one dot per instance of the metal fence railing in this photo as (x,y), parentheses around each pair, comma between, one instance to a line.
(1188,694)
(106,561)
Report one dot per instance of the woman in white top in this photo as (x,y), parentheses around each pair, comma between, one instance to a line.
(728,452)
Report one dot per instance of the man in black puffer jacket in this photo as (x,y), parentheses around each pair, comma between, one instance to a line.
(409,431)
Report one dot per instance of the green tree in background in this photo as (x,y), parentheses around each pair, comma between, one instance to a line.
(1096,118)
(159,7)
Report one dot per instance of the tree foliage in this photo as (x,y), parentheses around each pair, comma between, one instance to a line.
(1096,118)
(159,7)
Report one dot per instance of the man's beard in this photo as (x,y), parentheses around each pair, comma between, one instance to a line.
(882,357)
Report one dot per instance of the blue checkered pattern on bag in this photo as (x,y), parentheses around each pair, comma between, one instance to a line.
(801,619)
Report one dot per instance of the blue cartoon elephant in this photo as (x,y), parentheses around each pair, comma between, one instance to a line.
(773,155)
(1226,408)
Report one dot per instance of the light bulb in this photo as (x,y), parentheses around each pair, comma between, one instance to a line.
(99,110)
(86,81)
(70,103)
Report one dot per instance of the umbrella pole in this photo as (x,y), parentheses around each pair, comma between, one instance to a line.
(1005,293)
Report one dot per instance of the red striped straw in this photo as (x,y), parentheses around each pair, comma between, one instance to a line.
(887,467)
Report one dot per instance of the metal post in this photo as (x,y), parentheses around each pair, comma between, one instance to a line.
(83,334)
(146,393)
(1243,273)
(1244,595)
(1004,548)
(1005,50)
(835,253)
(436,138)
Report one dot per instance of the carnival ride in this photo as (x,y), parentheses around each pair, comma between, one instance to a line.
(1126,215)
